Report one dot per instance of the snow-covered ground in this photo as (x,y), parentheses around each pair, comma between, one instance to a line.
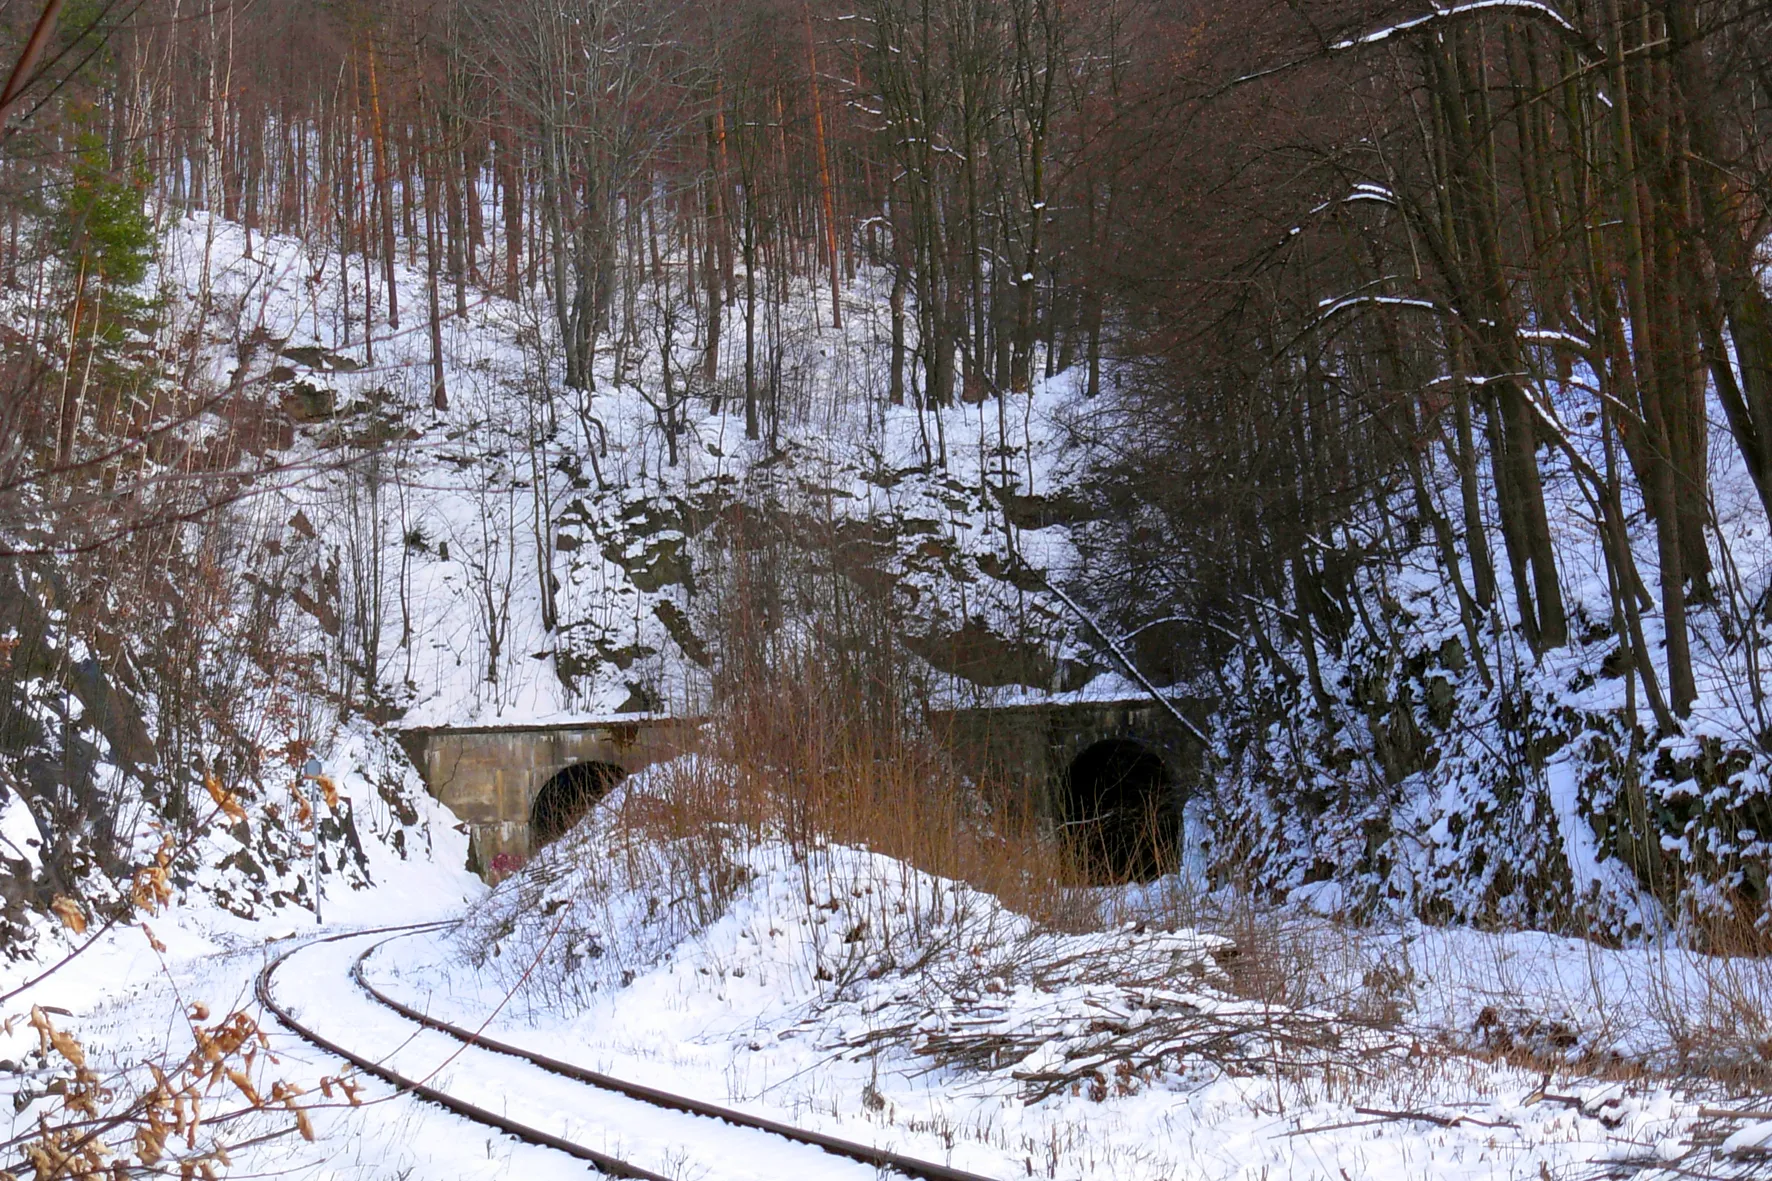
(733,1017)
(847,993)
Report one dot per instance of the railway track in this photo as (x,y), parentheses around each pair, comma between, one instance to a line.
(688,1108)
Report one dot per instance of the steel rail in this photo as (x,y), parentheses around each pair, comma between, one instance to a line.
(613,1166)
(878,1158)
(603,1162)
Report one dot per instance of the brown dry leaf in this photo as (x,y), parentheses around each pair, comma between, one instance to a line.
(149,1146)
(83,1097)
(40,1023)
(199,1011)
(69,912)
(224,799)
(153,942)
(239,1079)
(48,1036)
(303,813)
(68,1047)
(231,1034)
(152,888)
(302,1124)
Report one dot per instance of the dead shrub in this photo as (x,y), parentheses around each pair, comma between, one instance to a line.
(176,1115)
(821,714)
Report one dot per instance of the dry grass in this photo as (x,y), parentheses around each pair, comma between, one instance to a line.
(816,738)
(819,730)
(813,762)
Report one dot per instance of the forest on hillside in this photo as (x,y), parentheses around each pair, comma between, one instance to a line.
(1414,363)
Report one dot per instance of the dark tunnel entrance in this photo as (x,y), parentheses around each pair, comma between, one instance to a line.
(568,796)
(1120,813)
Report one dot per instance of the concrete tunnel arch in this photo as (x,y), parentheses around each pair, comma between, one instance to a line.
(574,790)
(1120,811)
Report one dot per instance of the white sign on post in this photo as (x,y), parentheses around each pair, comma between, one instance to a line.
(312,773)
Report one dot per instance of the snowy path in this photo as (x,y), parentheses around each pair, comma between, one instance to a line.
(314,984)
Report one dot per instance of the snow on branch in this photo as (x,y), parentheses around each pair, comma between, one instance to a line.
(1370,192)
(1119,653)
(1555,336)
(1329,308)
(1445,14)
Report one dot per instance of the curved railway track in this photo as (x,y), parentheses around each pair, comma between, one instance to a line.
(879,1159)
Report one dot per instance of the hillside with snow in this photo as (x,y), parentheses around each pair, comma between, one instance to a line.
(1205,571)
(507,562)
(482,564)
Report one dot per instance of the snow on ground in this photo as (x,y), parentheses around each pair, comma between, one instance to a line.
(124,988)
(412,870)
(848,993)
(737,1015)
(1657,1004)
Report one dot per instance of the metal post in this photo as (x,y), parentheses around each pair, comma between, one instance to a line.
(312,773)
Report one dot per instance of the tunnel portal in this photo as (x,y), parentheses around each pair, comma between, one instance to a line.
(1109,772)
(1120,811)
(566,797)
